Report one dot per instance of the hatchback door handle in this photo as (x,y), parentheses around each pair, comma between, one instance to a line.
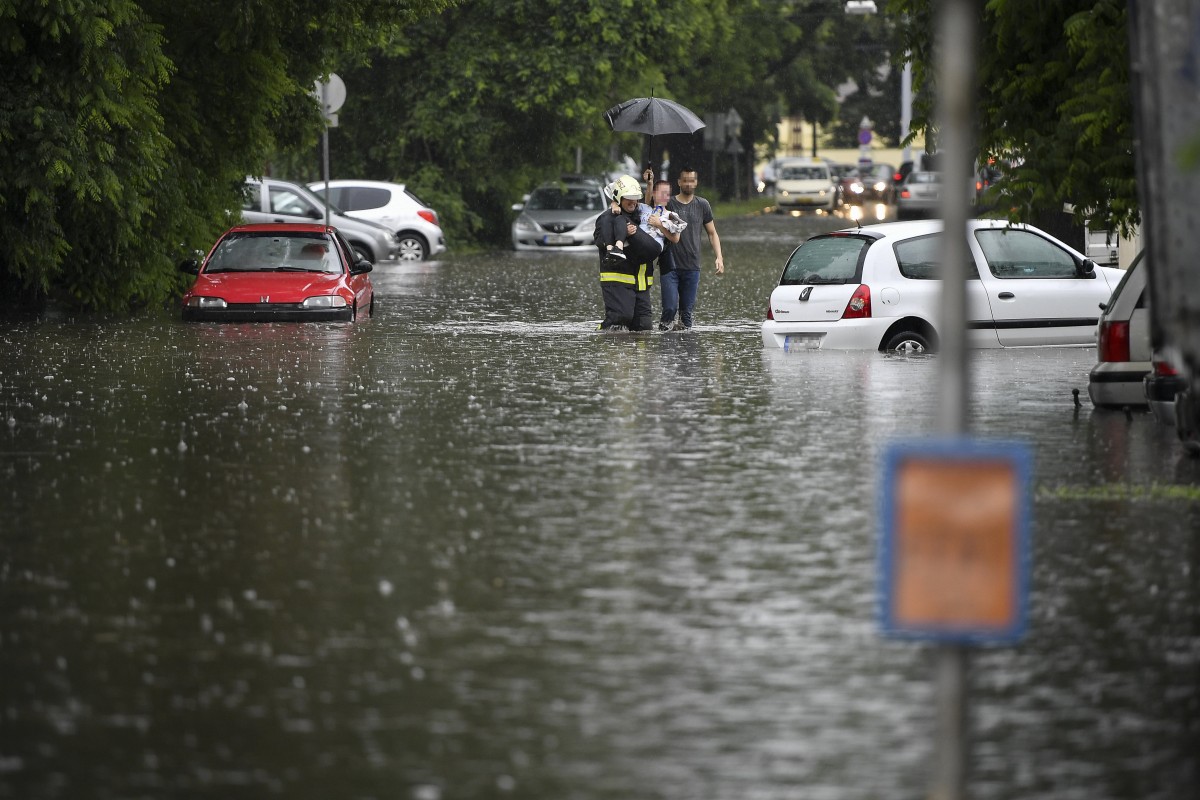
(1006,295)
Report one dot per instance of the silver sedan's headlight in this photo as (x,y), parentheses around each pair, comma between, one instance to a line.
(524,223)
(325,301)
(206,302)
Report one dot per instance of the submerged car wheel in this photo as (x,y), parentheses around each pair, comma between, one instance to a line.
(412,247)
(908,342)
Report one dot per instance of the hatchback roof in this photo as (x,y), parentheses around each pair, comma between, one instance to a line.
(282,227)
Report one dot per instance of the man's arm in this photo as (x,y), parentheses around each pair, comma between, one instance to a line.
(715,241)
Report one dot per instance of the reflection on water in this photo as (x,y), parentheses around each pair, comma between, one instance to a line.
(474,548)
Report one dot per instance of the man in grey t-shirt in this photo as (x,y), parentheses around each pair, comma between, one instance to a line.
(681,285)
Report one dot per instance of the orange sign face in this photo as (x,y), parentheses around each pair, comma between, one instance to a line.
(953,551)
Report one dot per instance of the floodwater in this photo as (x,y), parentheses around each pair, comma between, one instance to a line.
(472,548)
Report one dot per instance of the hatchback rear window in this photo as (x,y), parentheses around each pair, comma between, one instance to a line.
(826,259)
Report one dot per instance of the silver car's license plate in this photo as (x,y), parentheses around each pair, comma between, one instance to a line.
(557,238)
(802,341)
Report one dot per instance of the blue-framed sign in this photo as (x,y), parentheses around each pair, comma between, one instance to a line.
(954,549)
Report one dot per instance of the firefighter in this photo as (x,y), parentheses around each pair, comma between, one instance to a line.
(626,263)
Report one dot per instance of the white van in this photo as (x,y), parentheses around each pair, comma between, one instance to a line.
(804,183)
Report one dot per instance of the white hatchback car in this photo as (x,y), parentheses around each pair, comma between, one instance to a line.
(418,231)
(876,288)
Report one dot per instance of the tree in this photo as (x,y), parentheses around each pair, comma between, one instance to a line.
(84,146)
(129,128)
(1054,105)
(478,106)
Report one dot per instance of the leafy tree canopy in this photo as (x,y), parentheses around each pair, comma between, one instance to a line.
(129,125)
(1055,110)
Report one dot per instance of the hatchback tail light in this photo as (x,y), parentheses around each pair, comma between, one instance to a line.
(770,311)
(1114,341)
(859,306)
(428,216)
(905,193)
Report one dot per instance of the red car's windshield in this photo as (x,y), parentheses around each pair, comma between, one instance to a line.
(275,252)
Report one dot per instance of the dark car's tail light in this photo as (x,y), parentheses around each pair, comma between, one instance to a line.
(1114,341)
(428,216)
(1163,369)
(859,306)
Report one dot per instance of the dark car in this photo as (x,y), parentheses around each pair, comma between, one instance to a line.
(877,184)
(283,272)
(839,172)
(1161,386)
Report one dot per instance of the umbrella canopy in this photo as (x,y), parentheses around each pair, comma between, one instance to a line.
(652,115)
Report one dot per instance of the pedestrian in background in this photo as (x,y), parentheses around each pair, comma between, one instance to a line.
(681,285)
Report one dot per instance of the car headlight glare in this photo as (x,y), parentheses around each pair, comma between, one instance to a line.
(206,302)
(324,301)
(879,187)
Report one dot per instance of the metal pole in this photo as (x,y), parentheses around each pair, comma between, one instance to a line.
(956,81)
(906,105)
(325,169)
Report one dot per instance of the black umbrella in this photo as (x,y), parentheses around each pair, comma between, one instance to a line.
(654,116)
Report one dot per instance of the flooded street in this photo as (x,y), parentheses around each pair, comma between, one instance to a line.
(472,548)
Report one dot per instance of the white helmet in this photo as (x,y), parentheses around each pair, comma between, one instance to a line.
(624,187)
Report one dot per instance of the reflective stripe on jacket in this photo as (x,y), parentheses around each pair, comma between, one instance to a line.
(642,281)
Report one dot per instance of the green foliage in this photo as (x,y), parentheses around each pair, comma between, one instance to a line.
(84,147)
(129,125)
(128,128)
(496,96)
(1054,105)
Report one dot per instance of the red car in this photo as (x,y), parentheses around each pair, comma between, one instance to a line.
(294,272)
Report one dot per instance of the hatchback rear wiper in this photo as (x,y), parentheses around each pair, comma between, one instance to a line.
(815,279)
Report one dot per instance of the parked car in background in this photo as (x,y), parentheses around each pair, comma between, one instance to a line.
(1186,421)
(839,173)
(1123,343)
(920,162)
(919,195)
(1171,399)
(267,200)
(1160,386)
(877,288)
(877,184)
(850,187)
(804,183)
(560,216)
(416,227)
(290,272)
